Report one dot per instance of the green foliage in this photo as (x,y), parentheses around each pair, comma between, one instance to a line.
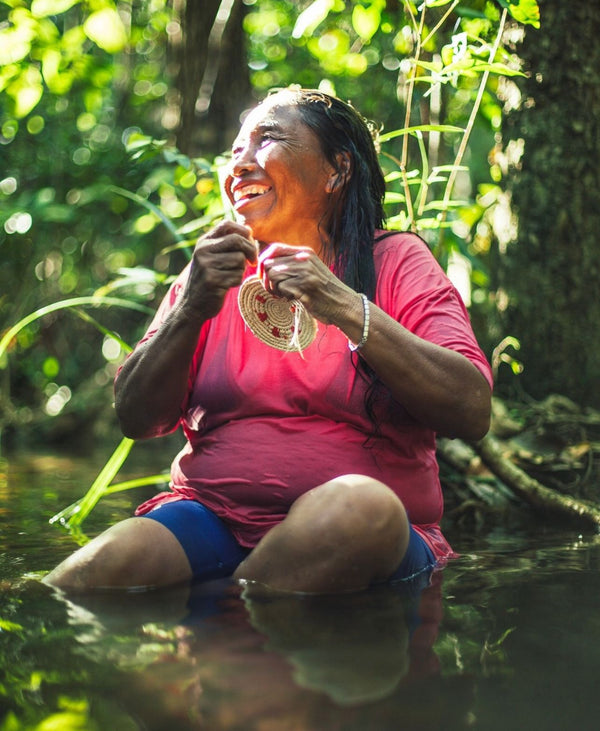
(433,69)
(525,11)
(63,230)
(95,198)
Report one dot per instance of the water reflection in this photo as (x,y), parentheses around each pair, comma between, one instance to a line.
(354,649)
(517,644)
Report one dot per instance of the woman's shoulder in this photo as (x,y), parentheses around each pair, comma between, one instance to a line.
(388,238)
(401,245)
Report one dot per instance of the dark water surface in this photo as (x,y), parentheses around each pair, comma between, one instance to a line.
(506,637)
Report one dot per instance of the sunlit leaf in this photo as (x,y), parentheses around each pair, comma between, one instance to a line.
(366,20)
(42,8)
(67,721)
(356,64)
(15,41)
(448,168)
(26,91)
(106,29)
(392,197)
(439,205)
(135,277)
(83,507)
(525,11)
(435,3)
(196,225)
(419,128)
(73,515)
(498,68)
(150,206)
(431,224)
(57,79)
(310,18)
(7,626)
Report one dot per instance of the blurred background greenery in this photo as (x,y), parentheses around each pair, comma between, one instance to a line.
(115,116)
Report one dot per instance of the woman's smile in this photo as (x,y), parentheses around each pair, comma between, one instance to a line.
(244,192)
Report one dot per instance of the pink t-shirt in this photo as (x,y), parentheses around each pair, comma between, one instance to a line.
(263,426)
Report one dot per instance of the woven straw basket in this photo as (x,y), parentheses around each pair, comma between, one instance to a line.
(278,322)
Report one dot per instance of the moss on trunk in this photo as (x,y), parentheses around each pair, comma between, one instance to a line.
(552,272)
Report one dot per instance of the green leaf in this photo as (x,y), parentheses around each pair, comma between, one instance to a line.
(93,301)
(77,512)
(366,20)
(106,29)
(419,128)
(525,11)
(392,197)
(6,626)
(15,41)
(150,206)
(439,205)
(74,514)
(26,91)
(43,8)
(497,68)
(311,17)
(449,168)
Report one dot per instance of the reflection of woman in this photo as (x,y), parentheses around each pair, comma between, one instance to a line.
(354,649)
(314,471)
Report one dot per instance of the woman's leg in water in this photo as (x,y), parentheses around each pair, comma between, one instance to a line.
(341,536)
(136,552)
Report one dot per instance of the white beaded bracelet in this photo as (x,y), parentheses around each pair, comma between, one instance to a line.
(365,332)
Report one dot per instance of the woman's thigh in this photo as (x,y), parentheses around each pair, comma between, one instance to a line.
(209,545)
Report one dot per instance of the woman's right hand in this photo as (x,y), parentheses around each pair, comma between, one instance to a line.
(218,263)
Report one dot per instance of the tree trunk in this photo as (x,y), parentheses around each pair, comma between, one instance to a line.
(213,78)
(551,273)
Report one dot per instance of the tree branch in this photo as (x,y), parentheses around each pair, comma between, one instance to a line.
(539,496)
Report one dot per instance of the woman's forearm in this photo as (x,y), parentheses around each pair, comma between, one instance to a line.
(440,388)
(152,383)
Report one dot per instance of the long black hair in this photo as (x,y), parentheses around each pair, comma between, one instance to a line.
(348,143)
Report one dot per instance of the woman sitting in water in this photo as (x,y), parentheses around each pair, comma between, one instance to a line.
(309,471)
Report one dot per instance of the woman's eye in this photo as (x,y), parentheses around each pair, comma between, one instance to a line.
(267,137)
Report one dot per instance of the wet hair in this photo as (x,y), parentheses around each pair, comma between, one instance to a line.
(348,142)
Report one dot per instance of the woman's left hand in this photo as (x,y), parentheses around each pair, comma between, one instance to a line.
(296,272)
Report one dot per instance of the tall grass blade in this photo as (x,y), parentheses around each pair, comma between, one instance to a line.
(93,301)
(74,515)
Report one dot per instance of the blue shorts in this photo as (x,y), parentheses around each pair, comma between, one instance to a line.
(214,553)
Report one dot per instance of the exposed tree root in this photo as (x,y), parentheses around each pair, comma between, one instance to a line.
(540,497)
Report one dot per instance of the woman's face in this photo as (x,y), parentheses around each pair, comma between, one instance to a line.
(279,182)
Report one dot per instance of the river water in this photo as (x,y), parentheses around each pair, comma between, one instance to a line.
(505,637)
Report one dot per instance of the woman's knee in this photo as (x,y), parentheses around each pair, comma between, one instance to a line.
(340,536)
(356,500)
(362,514)
(133,553)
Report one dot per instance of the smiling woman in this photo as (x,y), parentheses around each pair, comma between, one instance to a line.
(276,205)
(310,472)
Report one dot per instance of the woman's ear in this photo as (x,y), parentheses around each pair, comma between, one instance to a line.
(341,174)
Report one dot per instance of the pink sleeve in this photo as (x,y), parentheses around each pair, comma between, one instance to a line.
(415,291)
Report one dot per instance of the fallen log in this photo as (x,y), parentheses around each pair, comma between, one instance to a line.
(538,496)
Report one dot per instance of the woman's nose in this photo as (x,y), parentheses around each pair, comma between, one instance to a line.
(242,160)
